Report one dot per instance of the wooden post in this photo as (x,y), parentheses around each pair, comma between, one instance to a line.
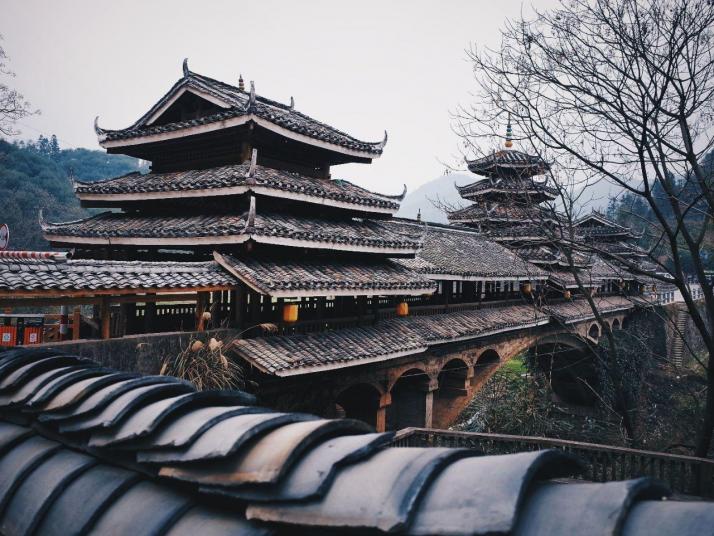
(254,307)
(149,316)
(361,307)
(237,306)
(105,317)
(201,303)
(429,403)
(216,307)
(76,323)
(384,401)
(321,307)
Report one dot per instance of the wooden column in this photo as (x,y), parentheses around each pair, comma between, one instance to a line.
(201,305)
(76,323)
(321,307)
(237,306)
(149,316)
(361,307)
(254,308)
(105,318)
(384,401)
(429,403)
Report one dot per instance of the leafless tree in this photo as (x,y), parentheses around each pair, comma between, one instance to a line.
(618,91)
(13,105)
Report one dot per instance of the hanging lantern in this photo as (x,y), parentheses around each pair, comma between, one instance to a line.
(527,288)
(567,295)
(290,313)
(402,309)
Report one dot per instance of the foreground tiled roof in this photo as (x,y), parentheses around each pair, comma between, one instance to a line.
(326,276)
(88,450)
(232,180)
(461,253)
(510,162)
(211,229)
(387,339)
(240,105)
(75,275)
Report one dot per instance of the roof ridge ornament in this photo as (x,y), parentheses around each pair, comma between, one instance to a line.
(241,83)
(99,131)
(382,144)
(403,194)
(292,103)
(509,133)
(186,72)
(251,101)
(249,176)
(250,220)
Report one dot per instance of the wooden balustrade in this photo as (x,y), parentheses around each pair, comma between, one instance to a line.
(683,474)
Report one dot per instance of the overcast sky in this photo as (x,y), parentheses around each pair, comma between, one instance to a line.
(361,66)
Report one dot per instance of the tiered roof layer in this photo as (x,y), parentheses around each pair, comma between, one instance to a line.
(237,107)
(235,179)
(326,276)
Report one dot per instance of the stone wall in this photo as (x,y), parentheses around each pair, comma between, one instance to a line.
(137,353)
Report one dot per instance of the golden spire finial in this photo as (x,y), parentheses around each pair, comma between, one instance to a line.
(509,133)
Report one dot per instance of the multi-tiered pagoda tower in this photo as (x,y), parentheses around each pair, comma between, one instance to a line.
(506,204)
(247,180)
(508,207)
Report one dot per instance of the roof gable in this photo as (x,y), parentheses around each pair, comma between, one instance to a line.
(233,106)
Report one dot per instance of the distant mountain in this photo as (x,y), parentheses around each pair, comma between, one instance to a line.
(440,191)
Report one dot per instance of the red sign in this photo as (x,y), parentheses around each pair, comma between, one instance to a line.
(4,236)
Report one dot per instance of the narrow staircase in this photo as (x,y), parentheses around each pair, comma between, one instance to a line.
(677,352)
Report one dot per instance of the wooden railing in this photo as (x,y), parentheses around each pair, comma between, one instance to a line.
(603,463)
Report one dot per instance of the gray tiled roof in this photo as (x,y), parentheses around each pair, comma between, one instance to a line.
(597,272)
(300,354)
(267,181)
(265,480)
(347,234)
(579,309)
(508,161)
(507,187)
(325,276)
(238,103)
(501,212)
(465,253)
(291,354)
(47,274)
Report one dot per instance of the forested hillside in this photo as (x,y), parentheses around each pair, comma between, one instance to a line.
(631,210)
(35,175)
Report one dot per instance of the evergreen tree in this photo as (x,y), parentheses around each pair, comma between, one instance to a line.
(54,148)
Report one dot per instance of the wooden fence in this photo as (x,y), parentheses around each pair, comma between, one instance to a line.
(603,463)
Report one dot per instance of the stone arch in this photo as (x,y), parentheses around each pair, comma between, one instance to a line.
(359,401)
(412,397)
(486,364)
(570,364)
(453,393)
(594,332)
(615,324)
